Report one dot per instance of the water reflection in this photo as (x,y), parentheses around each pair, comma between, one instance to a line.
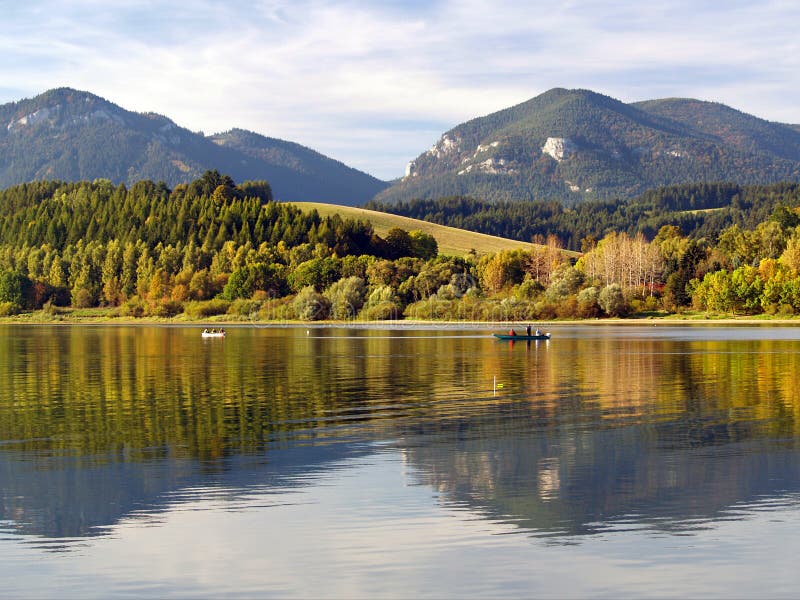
(600,430)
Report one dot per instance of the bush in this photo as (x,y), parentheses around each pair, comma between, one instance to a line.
(277,309)
(206,308)
(529,289)
(8,309)
(346,297)
(310,305)
(567,308)
(588,307)
(50,309)
(612,301)
(82,298)
(383,311)
(166,308)
(133,307)
(382,304)
(244,308)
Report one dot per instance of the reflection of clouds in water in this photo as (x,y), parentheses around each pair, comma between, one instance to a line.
(366,533)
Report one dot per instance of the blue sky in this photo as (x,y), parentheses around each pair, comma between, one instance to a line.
(374,84)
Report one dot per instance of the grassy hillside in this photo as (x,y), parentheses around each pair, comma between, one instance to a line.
(451,241)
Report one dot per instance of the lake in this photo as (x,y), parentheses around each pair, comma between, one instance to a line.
(415,462)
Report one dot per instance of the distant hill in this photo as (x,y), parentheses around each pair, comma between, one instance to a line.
(452,241)
(72,135)
(573,145)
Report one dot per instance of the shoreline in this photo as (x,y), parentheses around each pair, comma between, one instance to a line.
(86,318)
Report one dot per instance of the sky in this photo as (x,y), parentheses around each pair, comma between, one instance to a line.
(375,84)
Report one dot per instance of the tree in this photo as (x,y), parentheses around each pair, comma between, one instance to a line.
(14,288)
(256,189)
(791,254)
(564,281)
(398,243)
(317,272)
(423,245)
(346,297)
(245,281)
(382,304)
(612,301)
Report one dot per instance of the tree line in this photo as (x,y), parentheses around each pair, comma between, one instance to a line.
(214,247)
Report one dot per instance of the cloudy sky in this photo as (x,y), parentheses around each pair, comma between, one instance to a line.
(374,84)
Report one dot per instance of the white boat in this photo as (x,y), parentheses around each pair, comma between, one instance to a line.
(213,334)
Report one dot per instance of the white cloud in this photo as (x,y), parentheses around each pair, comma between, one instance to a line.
(328,73)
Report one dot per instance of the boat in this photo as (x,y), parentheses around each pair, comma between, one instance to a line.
(213,334)
(522,336)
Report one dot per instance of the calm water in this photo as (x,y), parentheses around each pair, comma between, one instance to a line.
(611,461)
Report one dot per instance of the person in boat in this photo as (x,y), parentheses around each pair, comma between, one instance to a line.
(512,332)
(528,331)
(205,330)
(222,331)
(538,332)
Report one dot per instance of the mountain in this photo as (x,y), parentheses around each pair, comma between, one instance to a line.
(576,144)
(72,135)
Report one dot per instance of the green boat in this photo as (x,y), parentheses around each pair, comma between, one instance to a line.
(518,337)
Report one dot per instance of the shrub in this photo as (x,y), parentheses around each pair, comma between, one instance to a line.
(612,301)
(82,298)
(529,289)
(244,308)
(166,308)
(133,307)
(382,304)
(206,308)
(277,309)
(567,308)
(50,309)
(8,309)
(588,306)
(310,305)
(383,311)
(346,297)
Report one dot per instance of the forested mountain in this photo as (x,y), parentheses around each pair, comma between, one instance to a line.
(73,136)
(573,145)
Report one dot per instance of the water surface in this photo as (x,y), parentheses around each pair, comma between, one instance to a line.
(402,462)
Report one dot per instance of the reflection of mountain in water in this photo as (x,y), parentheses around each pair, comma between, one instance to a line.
(67,497)
(581,482)
(99,424)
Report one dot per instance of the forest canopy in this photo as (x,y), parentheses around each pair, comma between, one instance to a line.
(215,247)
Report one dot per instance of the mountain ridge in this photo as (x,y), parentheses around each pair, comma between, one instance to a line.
(73,135)
(576,144)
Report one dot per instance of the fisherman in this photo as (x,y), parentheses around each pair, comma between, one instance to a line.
(512,332)
(528,331)
(538,332)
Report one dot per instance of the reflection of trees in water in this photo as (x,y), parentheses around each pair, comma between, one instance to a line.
(660,430)
(583,430)
(578,483)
